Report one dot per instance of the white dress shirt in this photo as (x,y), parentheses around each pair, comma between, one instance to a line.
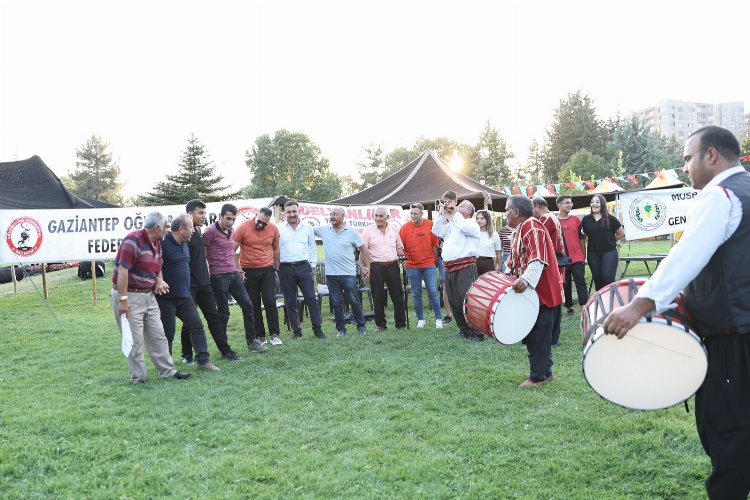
(460,236)
(712,220)
(297,244)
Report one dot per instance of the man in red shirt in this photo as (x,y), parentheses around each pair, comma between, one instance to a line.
(532,260)
(552,225)
(571,225)
(420,248)
(260,257)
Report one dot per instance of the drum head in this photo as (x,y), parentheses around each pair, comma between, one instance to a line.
(514,316)
(654,366)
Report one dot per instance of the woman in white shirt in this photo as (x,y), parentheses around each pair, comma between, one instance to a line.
(489,249)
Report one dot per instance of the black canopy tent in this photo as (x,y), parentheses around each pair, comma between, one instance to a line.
(30,184)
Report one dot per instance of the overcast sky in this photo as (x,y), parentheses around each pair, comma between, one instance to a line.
(144,76)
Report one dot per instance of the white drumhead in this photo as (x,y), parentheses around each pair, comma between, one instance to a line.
(514,316)
(654,366)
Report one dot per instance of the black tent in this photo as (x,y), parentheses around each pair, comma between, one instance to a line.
(424,180)
(31,184)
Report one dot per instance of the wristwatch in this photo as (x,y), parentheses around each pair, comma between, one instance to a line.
(123,297)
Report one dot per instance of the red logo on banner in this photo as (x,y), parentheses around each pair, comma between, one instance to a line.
(24,236)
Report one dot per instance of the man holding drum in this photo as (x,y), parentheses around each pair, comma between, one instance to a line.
(533,261)
(712,265)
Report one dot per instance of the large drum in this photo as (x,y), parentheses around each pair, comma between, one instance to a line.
(493,308)
(658,364)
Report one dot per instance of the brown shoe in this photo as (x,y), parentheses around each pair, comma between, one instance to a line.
(530,383)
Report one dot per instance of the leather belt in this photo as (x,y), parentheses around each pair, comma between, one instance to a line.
(140,290)
(388,263)
(729,331)
(297,263)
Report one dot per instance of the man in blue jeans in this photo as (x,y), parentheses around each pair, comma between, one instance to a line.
(340,242)
(226,275)
(420,248)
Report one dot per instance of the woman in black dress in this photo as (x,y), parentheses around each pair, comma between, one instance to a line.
(603,231)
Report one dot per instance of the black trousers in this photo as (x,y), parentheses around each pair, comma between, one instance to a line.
(575,273)
(722,415)
(260,284)
(183,308)
(457,284)
(603,267)
(292,276)
(539,344)
(206,301)
(381,275)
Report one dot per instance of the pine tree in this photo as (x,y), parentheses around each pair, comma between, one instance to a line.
(195,180)
(493,153)
(96,174)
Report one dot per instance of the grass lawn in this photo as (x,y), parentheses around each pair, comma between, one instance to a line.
(409,414)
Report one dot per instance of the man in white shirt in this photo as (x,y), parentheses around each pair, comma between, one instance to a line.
(299,256)
(711,264)
(460,233)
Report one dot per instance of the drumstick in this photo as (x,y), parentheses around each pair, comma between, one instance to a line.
(632,336)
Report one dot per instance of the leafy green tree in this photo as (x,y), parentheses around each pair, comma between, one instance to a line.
(373,170)
(493,153)
(398,159)
(575,127)
(290,164)
(531,172)
(96,174)
(584,164)
(195,180)
(446,148)
(745,146)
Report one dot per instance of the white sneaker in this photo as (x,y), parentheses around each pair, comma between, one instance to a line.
(420,323)
(438,324)
(276,340)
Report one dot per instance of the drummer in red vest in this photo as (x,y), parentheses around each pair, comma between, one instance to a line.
(533,261)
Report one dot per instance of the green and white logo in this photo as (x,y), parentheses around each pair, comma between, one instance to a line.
(648,213)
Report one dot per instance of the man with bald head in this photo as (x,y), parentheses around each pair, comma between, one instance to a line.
(340,243)
(460,233)
(384,245)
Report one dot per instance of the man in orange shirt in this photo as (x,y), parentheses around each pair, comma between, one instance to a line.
(420,248)
(260,256)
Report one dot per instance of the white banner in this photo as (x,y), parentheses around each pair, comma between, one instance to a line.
(34,236)
(655,213)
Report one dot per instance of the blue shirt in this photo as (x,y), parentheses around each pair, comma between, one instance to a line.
(176,268)
(297,244)
(339,249)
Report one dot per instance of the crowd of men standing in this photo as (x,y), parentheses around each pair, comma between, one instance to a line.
(171,270)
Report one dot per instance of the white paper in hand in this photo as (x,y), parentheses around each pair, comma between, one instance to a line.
(127,336)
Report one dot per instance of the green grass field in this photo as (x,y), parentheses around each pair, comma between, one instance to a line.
(409,414)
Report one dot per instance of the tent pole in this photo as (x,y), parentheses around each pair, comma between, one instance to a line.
(44,281)
(93,279)
(13,274)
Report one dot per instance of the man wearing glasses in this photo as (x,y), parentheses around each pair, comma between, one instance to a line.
(260,257)
(570,225)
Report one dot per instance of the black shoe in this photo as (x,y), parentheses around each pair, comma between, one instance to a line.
(476,338)
(570,312)
(231,355)
(320,335)
(447,319)
(297,335)
(181,375)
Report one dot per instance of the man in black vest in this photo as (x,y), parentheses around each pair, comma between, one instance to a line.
(200,288)
(712,265)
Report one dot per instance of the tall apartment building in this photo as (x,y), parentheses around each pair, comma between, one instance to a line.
(681,118)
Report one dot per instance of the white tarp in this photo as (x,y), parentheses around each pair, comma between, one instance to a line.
(34,236)
(655,213)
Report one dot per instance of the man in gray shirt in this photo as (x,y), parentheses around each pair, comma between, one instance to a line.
(340,241)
